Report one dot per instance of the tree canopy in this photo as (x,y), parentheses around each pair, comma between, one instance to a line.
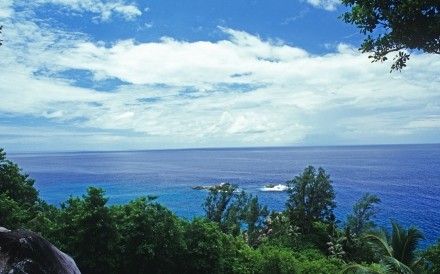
(364,209)
(311,198)
(396,26)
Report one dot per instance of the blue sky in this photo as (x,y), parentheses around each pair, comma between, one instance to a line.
(120,75)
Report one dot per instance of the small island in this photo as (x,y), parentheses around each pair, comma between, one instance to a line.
(212,187)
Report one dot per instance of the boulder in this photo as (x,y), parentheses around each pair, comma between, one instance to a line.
(24,252)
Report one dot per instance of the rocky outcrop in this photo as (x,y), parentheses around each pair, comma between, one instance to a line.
(26,252)
(214,187)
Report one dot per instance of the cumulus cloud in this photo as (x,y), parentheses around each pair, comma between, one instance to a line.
(329,5)
(239,91)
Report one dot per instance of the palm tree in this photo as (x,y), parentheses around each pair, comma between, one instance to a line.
(396,256)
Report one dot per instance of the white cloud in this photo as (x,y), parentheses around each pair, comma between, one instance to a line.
(329,5)
(6,9)
(105,9)
(240,91)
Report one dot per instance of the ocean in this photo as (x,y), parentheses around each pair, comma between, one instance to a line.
(405,177)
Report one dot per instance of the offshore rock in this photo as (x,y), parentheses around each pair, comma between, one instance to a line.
(26,252)
(214,187)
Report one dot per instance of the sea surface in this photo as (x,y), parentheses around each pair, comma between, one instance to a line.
(405,177)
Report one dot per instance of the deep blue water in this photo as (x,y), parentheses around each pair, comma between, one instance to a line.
(405,177)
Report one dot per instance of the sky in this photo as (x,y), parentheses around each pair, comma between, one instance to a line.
(80,75)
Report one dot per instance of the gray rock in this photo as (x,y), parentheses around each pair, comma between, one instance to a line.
(25,252)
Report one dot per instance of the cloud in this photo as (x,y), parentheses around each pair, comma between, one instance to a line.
(105,9)
(6,8)
(238,91)
(329,5)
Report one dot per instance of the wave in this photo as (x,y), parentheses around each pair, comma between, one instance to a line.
(271,187)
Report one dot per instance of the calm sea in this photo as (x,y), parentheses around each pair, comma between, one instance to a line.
(405,177)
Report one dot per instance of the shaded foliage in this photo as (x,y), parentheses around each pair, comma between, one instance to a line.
(150,237)
(396,253)
(18,196)
(432,255)
(86,230)
(311,198)
(233,210)
(392,26)
(363,211)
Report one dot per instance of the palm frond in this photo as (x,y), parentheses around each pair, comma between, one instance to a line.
(379,243)
(361,269)
(395,266)
(404,243)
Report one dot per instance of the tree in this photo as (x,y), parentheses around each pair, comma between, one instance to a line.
(151,237)
(311,198)
(396,253)
(432,255)
(18,196)
(88,233)
(1,27)
(231,210)
(278,260)
(16,185)
(254,216)
(207,248)
(393,26)
(363,211)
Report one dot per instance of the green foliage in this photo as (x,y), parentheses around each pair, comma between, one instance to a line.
(16,185)
(311,198)
(432,255)
(12,215)
(363,211)
(392,26)
(396,253)
(207,248)
(151,238)
(18,196)
(336,245)
(277,260)
(246,260)
(356,248)
(232,210)
(254,216)
(314,262)
(87,232)
(220,208)
(366,269)
(280,232)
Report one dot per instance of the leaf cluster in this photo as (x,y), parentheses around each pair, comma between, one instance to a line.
(311,198)
(393,26)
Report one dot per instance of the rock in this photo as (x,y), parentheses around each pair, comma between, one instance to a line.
(26,252)
(218,187)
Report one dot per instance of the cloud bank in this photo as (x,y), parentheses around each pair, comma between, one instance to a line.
(61,90)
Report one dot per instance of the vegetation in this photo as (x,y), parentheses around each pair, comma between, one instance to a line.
(311,199)
(395,253)
(393,26)
(364,209)
(237,235)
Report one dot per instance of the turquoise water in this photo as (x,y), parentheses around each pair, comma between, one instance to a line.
(405,177)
